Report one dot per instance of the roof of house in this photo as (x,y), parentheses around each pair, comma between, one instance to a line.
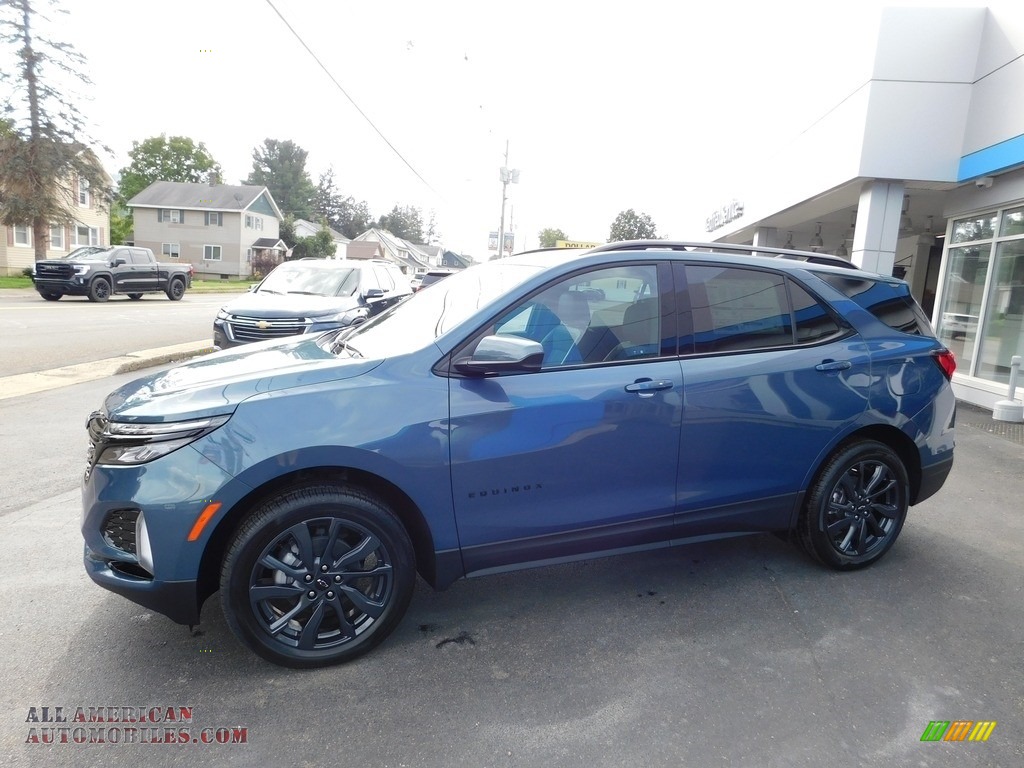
(370,249)
(335,234)
(400,251)
(201,197)
(270,242)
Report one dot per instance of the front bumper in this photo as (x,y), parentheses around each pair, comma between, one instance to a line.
(76,286)
(177,600)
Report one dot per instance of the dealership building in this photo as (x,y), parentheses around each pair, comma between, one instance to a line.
(918,172)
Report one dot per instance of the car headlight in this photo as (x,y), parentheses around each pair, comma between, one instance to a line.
(122,443)
(81,269)
(222,315)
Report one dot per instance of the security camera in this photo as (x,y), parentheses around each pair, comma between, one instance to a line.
(984,182)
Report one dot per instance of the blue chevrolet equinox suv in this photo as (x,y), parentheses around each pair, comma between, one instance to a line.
(541,408)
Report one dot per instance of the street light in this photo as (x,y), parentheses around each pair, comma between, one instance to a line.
(508,176)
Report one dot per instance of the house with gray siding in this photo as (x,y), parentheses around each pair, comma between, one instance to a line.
(220,229)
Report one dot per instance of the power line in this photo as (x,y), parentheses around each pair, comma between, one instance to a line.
(351,100)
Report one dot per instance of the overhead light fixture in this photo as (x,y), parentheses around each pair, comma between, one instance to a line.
(841,251)
(789,243)
(816,241)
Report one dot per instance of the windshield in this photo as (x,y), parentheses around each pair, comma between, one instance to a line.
(312,279)
(89,253)
(424,316)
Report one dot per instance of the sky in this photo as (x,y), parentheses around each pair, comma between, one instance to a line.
(655,106)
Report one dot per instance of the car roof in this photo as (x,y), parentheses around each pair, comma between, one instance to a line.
(748,255)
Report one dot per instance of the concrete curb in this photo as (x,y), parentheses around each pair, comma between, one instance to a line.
(41,381)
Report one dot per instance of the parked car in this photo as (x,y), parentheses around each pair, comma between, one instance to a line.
(534,409)
(100,273)
(310,296)
(957,325)
(432,276)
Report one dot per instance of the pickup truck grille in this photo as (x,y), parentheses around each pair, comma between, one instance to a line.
(54,271)
(260,329)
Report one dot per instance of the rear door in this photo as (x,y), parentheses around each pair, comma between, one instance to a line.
(580,456)
(771,375)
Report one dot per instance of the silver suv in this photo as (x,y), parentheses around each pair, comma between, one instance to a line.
(310,296)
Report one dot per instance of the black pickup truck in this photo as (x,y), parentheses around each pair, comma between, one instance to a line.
(99,273)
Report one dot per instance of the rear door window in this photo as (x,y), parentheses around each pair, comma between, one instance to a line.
(735,309)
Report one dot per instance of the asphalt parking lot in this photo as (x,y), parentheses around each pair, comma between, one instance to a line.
(738,652)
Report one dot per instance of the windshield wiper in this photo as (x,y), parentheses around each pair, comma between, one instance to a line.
(340,345)
(305,293)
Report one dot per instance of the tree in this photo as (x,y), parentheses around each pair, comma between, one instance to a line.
(629,225)
(280,166)
(548,237)
(159,158)
(45,157)
(342,214)
(405,222)
(319,246)
(433,236)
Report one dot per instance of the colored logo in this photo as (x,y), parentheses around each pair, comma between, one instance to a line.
(958,730)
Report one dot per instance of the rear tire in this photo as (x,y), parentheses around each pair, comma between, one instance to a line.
(134,296)
(176,289)
(317,576)
(856,507)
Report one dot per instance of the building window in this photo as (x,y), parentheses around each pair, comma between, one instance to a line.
(86,235)
(214,219)
(171,250)
(170,215)
(57,237)
(253,222)
(982,310)
(211,253)
(84,199)
(23,236)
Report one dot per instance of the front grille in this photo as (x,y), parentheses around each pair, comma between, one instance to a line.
(260,329)
(119,530)
(54,271)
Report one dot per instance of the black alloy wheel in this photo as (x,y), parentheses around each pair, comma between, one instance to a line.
(99,290)
(176,289)
(856,507)
(317,576)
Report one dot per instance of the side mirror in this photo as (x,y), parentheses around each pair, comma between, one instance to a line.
(373,293)
(498,354)
(118,262)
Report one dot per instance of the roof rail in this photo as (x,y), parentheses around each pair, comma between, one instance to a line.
(751,250)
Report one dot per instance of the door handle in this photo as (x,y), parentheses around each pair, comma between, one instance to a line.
(833,365)
(647,385)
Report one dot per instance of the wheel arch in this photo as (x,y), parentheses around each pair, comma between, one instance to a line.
(887,435)
(397,500)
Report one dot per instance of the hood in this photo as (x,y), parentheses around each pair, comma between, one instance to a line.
(276,305)
(215,384)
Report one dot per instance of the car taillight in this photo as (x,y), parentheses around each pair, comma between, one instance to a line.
(946,361)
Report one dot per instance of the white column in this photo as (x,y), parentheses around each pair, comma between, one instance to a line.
(878,226)
(764,236)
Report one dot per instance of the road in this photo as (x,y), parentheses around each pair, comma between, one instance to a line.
(37,335)
(740,652)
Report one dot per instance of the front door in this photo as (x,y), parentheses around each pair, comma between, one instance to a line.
(581,456)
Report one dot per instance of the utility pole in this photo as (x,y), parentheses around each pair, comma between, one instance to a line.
(508,176)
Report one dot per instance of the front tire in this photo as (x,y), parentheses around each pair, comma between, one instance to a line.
(317,576)
(51,296)
(176,289)
(134,296)
(99,290)
(856,507)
